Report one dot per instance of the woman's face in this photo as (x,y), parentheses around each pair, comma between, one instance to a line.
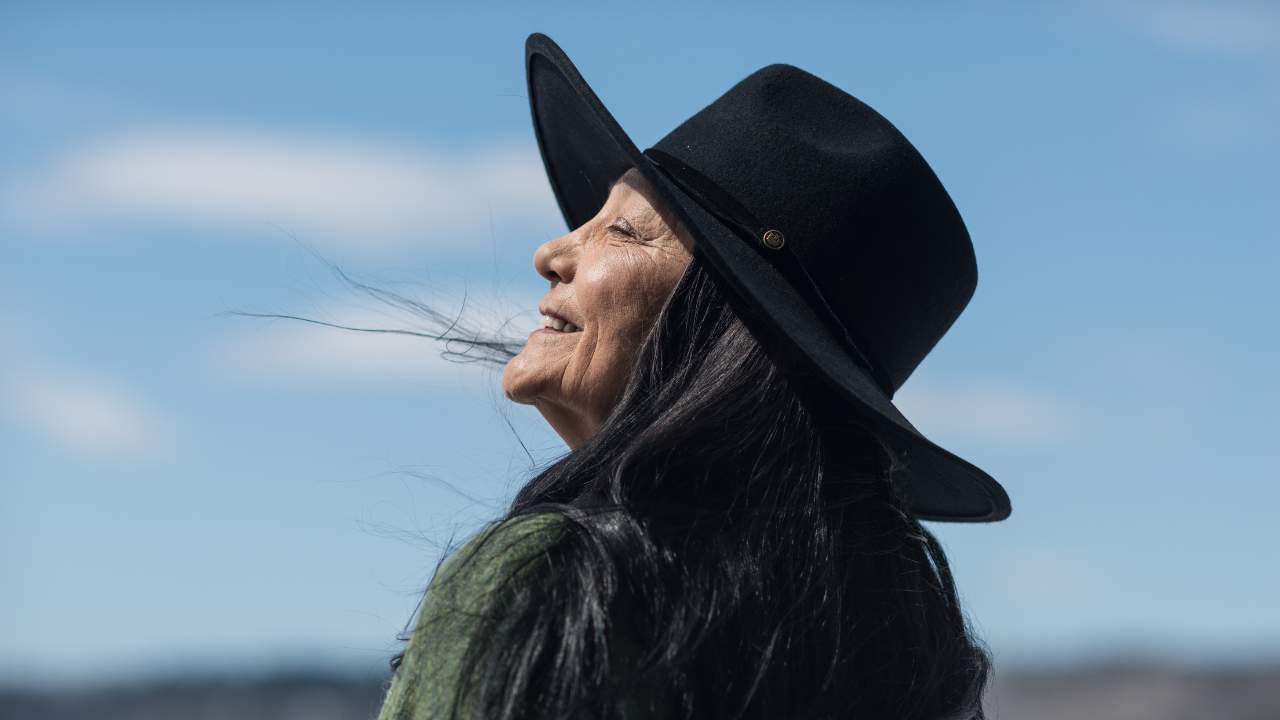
(609,278)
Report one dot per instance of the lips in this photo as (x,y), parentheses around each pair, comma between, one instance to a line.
(553,320)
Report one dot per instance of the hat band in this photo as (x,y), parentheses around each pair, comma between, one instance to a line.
(720,203)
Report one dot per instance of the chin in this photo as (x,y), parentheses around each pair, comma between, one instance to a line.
(520,379)
(515,390)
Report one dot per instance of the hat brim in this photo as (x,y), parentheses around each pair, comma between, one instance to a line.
(584,150)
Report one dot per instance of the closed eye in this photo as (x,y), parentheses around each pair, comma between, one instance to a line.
(624,227)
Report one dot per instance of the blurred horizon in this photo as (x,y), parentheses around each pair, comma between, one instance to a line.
(186,491)
(1132,692)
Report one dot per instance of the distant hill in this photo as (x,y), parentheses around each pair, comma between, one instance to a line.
(272,697)
(1116,691)
(1123,691)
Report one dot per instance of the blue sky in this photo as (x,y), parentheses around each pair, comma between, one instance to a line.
(181,489)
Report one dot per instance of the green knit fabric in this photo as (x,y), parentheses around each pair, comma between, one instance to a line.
(424,686)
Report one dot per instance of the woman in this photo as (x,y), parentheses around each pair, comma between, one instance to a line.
(735,529)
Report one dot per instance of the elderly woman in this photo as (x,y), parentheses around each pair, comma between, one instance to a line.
(735,530)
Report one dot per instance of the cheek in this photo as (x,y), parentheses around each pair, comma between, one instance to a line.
(620,298)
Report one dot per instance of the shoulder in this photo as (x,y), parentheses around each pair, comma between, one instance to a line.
(453,610)
(470,581)
(487,560)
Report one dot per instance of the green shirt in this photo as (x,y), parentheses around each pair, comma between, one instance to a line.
(424,686)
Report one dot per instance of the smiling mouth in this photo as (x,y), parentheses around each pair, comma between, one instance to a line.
(550,322)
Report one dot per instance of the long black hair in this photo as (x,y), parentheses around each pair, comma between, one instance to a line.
(734,545)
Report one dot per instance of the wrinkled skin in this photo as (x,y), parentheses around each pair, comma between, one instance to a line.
(609,279)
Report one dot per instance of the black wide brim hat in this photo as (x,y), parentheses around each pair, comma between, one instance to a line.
(584,151)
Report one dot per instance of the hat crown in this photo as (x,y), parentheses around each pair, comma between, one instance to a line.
(860,208)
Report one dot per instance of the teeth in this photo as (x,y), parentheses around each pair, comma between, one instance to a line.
(557,324)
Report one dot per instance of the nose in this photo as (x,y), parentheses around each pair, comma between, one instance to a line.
(556,259)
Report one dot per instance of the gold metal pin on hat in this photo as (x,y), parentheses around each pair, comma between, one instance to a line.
(773,239)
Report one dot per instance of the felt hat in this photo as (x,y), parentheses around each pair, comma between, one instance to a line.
(825,226)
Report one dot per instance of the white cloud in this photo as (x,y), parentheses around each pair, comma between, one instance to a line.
(991,412)
(83,413)
(1228,25)
(86,415)
(331,190)
(282,349)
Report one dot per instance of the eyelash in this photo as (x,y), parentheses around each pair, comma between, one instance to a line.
(622,227)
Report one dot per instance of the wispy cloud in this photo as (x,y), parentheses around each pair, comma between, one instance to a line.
(79,412)
(1229,25)
(289,350)
(992,412)
(334,190)
(87,415)
(1218,115)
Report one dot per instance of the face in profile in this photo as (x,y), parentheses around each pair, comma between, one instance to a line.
(609,279)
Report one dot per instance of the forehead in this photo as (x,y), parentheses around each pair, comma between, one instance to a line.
(629,186)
